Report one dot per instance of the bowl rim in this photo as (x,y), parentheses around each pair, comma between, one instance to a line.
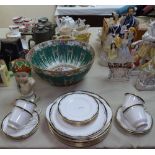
(43,44)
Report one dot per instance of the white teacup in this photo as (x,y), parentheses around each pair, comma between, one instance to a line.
(28,23)
(131,99)
(15,19)
(14,29)
(19,118)
(27,105)
(136,116)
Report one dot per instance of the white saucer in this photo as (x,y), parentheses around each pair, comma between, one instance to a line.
(121,120)
(90,130)
(28,130)
(78,108)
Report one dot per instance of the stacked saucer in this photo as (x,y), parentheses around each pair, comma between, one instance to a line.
(79,118)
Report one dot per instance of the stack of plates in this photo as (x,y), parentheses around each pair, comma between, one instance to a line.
(79,118)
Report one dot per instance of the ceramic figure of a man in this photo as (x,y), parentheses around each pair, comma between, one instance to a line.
(130,20)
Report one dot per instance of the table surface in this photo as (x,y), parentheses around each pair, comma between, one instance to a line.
(95,81)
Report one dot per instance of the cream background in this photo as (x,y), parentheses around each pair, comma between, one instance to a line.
(32,11)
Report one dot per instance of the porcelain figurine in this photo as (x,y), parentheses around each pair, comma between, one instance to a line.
(144,59)
(105,31)
(119,57)
(130,20)
(112,53)
(25,82)
(115,27)
(110,31)
(146,78)
(120,65)
(150,34)
(116,51)
(145,49)
(126,40)
(4,74)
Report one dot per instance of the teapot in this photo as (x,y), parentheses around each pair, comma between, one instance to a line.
(44,21)
(64,25)
(65,21)
(40,33)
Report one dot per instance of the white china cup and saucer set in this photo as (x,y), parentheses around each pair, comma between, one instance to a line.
(22,121)
(82,118)
(132,116)
(78,119)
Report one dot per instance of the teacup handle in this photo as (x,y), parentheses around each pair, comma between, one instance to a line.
(29,42)
(39,112)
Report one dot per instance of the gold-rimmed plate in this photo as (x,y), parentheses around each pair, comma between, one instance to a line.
(23,133)
(78,109)
(75,143)
(77,131)
(102,128)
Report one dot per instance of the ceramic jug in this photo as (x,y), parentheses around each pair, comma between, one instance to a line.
(40,34)
(11,49)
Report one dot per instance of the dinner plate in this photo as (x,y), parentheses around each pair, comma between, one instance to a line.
(122,121)
(101,128)
(25,132)
(77,131)
(78,109)
(79,143)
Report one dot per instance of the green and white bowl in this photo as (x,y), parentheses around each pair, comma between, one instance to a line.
(61,62)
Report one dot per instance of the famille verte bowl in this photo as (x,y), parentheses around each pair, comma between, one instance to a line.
(61,62)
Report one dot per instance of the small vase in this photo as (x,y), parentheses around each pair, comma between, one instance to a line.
(145,81)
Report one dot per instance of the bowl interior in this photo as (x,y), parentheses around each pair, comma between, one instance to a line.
(63,56)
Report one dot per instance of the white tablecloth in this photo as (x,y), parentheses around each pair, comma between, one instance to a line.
(90,10)
(95,81)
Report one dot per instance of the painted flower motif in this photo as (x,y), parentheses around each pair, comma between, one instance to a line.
(21,65)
